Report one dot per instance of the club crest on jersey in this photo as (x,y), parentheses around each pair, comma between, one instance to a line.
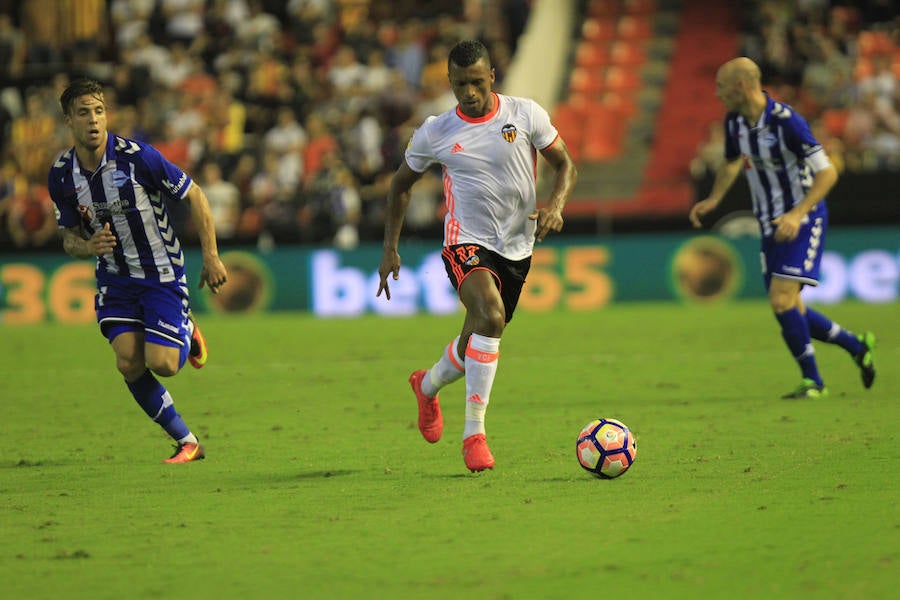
(509,132)
(472,261)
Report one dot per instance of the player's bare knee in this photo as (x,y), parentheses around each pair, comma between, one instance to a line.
(164,367)
(782,303)
(131,367)
(491,322)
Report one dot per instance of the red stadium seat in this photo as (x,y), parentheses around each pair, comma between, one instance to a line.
(634,28)
(591,55)
(624,52)
(603,137)
(598,30)
(585,81)
(622,105)
(621,78)
(602,8)
(639,7)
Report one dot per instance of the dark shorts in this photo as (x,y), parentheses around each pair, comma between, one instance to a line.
(800,259)
(159,310)
(509,275)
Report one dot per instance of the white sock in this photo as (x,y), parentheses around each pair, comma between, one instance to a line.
(190,438)
(482,355)
(448,368)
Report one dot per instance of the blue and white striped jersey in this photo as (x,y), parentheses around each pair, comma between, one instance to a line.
(129,191)
(780,158)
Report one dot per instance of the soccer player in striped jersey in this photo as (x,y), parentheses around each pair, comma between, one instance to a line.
(110,195)
(488,147)
(789,175)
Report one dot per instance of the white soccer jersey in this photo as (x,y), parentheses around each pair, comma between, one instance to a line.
(489,171)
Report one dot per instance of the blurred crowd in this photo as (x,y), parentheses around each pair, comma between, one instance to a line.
(291,114)
(838,64)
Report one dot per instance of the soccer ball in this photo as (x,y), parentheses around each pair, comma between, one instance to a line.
(605,448)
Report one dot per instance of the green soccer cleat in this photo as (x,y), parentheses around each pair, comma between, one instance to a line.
(808,389)
(865,359)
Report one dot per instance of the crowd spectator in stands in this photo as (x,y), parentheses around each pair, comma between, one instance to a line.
(320,144)
(13,49)
(258,30)
(183,19)
(286,140)
(146,53)
(130,19)
(11,184)
(29,138)
(823,58)
(224,200)
(41,25)
(409,53)
(31,218)
(211,82)
(377,76)
(228,116)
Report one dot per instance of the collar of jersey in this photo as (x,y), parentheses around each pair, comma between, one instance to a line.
(486,117)
(108,155)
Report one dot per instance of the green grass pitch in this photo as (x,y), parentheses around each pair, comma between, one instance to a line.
(317,483)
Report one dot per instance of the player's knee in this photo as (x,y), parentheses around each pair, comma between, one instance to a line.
(130,366)
(491,321)
(781,303)
(165,367)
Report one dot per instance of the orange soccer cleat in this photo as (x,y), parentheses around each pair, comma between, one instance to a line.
(185,453)
(198,353)
(431,423)
(477,454)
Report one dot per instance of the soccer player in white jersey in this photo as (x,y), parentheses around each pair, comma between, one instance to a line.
(110,195)
(488,148)
(789,175)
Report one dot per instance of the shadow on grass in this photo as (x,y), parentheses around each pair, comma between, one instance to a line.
(325,474)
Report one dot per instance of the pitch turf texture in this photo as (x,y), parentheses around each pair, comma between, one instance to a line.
(317,483)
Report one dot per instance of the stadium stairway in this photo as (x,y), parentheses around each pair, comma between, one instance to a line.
(639,101)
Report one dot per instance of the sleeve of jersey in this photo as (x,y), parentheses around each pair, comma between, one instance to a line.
(419,154)
(66,213)
(732,150)
(163,174)
(544,131)
(801,141)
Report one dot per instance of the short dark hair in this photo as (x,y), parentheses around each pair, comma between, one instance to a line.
(77,89)
(468,52)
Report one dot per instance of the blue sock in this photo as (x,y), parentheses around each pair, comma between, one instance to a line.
(824,329)
(157,403)
(795,331)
